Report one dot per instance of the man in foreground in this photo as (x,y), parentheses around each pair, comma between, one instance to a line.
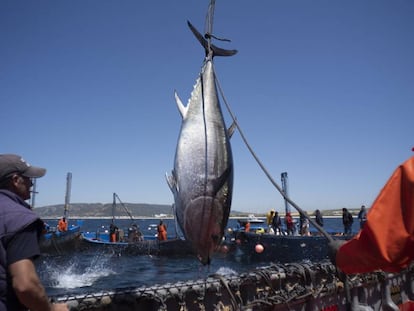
(20,227)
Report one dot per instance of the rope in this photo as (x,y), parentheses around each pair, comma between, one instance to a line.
(265,171)
(55,244)
(233,300)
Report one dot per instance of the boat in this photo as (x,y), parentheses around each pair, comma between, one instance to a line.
(256,246)
(131,241)
(55,242)
(149,245)
(260,244)
(161,215)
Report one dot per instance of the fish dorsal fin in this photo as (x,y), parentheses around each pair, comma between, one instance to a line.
(181,108)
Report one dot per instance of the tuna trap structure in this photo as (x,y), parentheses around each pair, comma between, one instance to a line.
(294,286)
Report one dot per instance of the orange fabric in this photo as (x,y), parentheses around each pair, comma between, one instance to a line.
(113,237)
(387,240)
(162,232)
(62,225)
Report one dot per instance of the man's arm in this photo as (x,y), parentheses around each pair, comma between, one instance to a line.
(28,288)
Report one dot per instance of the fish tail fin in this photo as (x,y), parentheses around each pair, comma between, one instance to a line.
(216,50)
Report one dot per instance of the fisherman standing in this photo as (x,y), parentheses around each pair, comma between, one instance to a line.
(304,229)
(134,234)
(269,217)
(277,224)
(347,221)
(318,218)
(302,219)
(362,216)
(20,285)
(113,230)
(62,225)
(289,224)
(247,227)
(162,231)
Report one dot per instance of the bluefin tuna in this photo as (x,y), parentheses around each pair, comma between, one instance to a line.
(202,178)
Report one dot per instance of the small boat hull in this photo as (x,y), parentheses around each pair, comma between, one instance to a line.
(57,243)
(92,241)
(253,247)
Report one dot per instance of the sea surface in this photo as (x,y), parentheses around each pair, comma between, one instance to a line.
(79,273)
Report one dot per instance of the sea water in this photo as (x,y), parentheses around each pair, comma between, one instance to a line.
(85,272)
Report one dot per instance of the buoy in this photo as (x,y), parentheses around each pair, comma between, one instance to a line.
(259,248)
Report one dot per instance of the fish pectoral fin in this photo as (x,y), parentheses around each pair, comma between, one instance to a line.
(172,183)
(232,128)
(221,180)
(181,108)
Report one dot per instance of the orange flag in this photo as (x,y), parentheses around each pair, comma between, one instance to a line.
(387,240)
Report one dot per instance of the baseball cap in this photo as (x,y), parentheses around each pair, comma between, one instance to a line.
(13,163)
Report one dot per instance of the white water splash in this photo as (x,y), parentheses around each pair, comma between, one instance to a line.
(226,271)
(73,275)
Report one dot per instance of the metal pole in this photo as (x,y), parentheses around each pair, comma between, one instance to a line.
(33,193)
(284,179)
(67,196)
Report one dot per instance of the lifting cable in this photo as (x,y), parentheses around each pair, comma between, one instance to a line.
(208,35)
(265,171)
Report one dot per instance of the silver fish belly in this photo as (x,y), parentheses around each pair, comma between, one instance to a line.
(202,179)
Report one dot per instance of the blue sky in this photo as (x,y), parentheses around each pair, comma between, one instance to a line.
(323,90)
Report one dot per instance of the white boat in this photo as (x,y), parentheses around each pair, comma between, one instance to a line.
(161,215)
(254,220)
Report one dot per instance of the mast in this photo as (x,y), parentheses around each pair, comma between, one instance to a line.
(113,207)
(67,195)
(284,178)
(122,204)
(34,192)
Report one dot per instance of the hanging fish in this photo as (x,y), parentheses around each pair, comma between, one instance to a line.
(202,178)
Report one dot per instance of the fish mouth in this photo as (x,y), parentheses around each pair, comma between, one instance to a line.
(203,222)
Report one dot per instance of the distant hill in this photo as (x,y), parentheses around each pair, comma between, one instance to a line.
(98,210)
(137,210)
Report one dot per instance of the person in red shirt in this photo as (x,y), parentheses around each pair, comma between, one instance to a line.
(289,223)
(162,231)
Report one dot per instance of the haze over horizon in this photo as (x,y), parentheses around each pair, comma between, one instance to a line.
(323,90)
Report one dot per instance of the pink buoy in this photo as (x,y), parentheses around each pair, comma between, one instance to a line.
(259,248)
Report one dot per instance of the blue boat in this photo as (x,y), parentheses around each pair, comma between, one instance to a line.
(131,241)
(148,245)
(259,245)
(55,242)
